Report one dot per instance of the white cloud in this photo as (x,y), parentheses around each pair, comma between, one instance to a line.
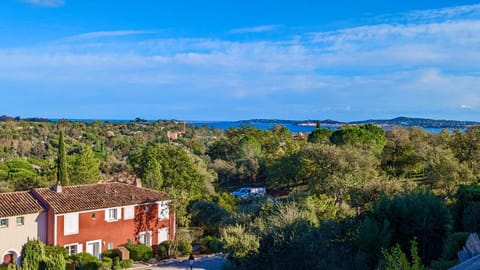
(465,107)
(383,67)
(45,3)
(255,29)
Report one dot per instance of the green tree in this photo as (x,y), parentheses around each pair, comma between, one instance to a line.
(396,259)
(320,135)
(153,175)
(33,254)
(238,243)
(62,175)
(417,215)
(86,167)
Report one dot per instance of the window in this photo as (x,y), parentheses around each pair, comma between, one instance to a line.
(3,222)
(163,210)
(111,214)
(162,235)
(129,212)
(145,238)
(70,223)
(73,249)
(20,220)
(110,245)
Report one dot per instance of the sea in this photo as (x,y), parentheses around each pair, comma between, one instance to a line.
(294,128)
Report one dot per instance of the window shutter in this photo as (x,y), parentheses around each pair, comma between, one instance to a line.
(70,223)
(129,212)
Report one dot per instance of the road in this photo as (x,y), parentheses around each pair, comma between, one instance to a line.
(211,262)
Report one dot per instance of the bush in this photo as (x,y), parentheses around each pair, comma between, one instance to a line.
(162,250)
(209,244)
(107,263)
(55,262)
(116,264)
(111,253)
(139,252)
(88,262)
(52,250)
(126,263)
(185,247)
(454,243)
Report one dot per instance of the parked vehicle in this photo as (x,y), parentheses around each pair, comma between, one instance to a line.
(247,192)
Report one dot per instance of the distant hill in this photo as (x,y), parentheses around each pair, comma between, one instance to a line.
(399,121)
(421,122)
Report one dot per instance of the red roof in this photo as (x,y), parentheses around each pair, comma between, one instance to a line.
(18,203)
(97,196)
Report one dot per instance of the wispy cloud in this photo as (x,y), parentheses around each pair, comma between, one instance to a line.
(385,67)
(45,3)
(105,34)
(255,29)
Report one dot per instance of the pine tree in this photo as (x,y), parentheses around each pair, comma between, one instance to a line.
(62,176)
(153,175)
(86,168)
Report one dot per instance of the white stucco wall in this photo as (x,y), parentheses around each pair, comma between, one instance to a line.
(14,236)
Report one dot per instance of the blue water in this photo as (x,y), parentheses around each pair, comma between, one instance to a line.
(266,126)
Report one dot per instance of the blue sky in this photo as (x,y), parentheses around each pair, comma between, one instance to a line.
(231,60)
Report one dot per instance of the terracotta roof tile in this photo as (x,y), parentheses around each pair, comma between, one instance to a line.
(97,196)
(18,203)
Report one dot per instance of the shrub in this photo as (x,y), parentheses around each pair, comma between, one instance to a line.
(55,262)
(52,250)
(454,243)
(107,263)
(185,247)
(162,250)
(209,244)
(33,253)
(126,263)
(139,252)
(111,253)
(116,263)
(88,262)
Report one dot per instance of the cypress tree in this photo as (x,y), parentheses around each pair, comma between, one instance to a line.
(62,176)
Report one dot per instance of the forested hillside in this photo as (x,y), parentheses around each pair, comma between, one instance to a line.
(353,198)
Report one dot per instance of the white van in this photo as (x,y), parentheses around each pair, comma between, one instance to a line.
(246,192)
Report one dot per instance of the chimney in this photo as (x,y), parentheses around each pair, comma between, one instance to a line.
(58,188)
(138,182)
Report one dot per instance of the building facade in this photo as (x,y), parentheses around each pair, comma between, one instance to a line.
(98,217)
(84,218)
(22,217)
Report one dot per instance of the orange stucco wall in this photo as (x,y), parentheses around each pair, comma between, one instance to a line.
(116,232)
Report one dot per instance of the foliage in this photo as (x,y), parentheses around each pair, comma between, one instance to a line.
(55,262)
(185,247)
(116,263)
(208,215)
(320,135)
(85,168)
(54,250)
(163,250)
(87,261)
(62,175)
(139,252)
(417,215)
(209,244)
(126,263)
(395,259)
(466,207)
(33,254)
(238,243)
